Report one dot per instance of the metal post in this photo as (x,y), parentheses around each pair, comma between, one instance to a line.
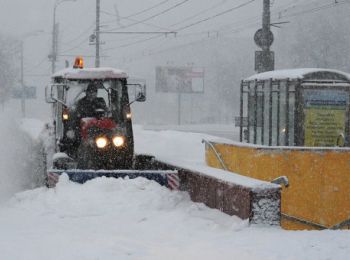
(241,115)
(263,113)
(97,58)
(248,112)
(278,112)
(23,104)
(286,143)
(255,111)
(179,109)
(54,42)
(270,112)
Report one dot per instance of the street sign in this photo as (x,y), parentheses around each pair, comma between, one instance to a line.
(29,93)
(259,39)
(264,61)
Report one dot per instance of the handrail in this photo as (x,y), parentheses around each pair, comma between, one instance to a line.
(218,156)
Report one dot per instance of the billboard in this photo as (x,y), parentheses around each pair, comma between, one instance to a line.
(180,79)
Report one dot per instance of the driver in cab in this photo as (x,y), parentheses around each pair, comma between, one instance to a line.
(90,105)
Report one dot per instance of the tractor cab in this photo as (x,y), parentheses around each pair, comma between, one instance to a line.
(93,134)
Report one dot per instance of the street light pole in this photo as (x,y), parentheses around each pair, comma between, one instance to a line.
(23,104)
(53,55)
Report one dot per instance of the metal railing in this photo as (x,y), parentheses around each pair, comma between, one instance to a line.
(217,154)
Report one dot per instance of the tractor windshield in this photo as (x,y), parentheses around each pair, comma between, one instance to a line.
(110,92)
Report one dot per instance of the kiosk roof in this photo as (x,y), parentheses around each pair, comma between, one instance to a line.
(295,74)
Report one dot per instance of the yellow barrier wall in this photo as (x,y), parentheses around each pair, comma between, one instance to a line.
(319,180)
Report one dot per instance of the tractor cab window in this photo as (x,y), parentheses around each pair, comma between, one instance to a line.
(76,91)
(109,92)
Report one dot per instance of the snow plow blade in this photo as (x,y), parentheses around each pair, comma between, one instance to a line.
(168,178)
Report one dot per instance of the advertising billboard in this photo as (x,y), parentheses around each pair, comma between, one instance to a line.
(180,79)
(325,114)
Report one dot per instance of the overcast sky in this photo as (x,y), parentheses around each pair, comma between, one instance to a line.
(76,21)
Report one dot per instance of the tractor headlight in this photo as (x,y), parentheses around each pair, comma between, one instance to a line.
(118,141)
(101,142)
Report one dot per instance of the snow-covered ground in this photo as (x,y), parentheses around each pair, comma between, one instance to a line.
(135,219)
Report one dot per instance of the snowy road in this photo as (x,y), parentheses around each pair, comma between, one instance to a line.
(138,219)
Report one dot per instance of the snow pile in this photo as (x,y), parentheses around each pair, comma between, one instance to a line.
(17,158)
(107,219)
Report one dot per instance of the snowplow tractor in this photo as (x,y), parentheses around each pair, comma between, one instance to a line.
(92,126)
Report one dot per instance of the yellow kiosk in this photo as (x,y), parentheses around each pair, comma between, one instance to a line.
(295,123)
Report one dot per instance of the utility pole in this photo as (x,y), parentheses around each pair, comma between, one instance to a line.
(97,58)
(53,55)
(264,59)
(266,25)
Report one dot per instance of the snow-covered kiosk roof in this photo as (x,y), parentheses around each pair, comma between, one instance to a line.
(90,74)
(302,73)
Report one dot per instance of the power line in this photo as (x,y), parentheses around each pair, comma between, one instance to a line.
(153,16)
(133,20)
(37,65)
(319,8)
(187,26)
(195,42)
(133,43)
(147,9)
(75,55)
(216,15)
(199,13)
(76,46)
(80,35)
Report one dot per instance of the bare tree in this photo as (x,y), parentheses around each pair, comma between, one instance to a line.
(7,67)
